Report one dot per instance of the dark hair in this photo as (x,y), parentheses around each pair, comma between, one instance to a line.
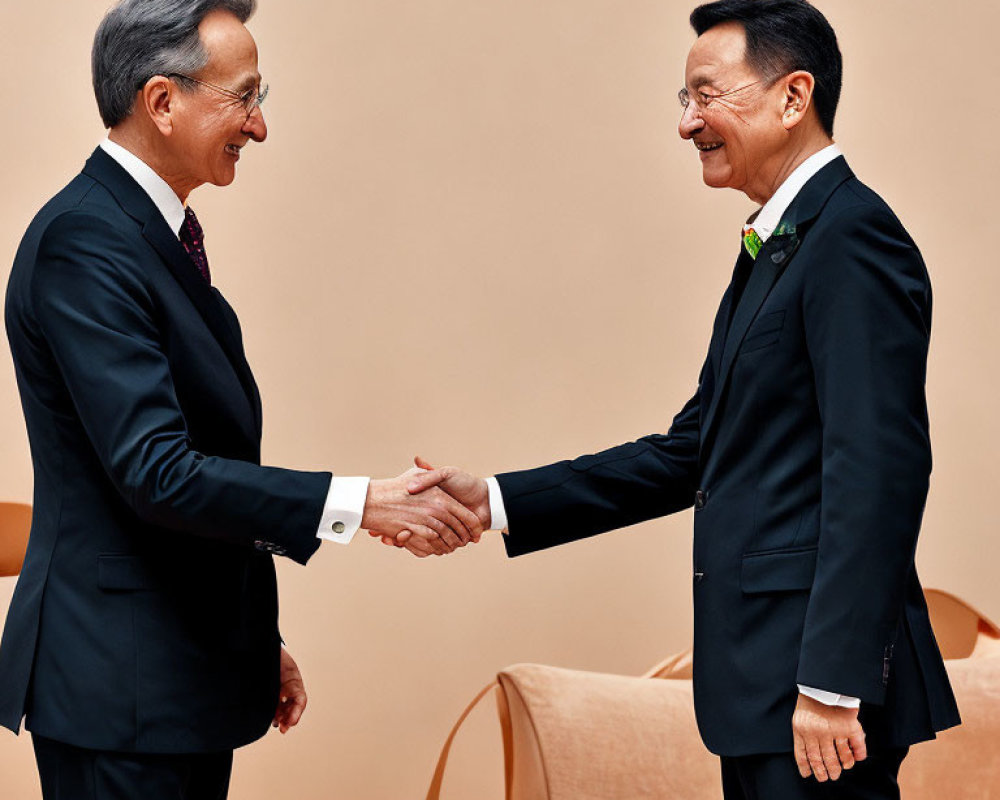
(138,39)
(784,36)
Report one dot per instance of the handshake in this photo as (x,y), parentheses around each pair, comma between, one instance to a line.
(428,511)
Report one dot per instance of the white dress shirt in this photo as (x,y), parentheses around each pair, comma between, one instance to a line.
(763,222)
(769,216)
(345,501)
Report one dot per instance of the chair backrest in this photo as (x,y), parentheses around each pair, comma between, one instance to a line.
(15,525)
(961,630)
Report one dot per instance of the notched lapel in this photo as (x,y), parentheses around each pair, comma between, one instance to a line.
(714,362)
(138,205)
(204,298)
(771,261)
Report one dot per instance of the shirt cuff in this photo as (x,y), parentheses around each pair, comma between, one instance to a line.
(345,506)
(830,698)
(498,514)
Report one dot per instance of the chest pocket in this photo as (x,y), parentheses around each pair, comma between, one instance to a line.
(765,331)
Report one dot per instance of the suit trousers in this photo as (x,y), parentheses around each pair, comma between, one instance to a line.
(74,773)
(776,777)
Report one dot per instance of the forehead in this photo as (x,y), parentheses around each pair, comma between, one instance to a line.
(719,52)
(232,51)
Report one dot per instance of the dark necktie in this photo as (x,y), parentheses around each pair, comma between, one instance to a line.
(193,239)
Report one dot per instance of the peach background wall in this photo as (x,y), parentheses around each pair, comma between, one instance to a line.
(474,234)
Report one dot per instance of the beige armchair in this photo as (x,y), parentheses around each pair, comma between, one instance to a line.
(15,524)
(964,762)
(17,764)
(571,735)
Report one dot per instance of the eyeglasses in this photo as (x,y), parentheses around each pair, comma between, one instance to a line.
(703,100)
(249,101)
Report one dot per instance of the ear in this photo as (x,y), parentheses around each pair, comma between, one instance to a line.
(157,98)
(796,97)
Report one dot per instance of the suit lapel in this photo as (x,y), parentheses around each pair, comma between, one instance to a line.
(771,262)
(762,279)
(249,384)
(206,299)
(714,361)
(138,205)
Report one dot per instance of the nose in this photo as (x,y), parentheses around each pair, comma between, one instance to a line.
(255,127)
(691,121)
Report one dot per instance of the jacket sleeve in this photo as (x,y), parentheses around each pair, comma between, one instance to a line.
(631,483)
(867,310)
(100,323)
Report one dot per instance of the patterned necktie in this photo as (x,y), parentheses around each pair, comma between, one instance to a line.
(752,242)
(193,239)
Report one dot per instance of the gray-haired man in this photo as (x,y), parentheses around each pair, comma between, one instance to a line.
(142,640)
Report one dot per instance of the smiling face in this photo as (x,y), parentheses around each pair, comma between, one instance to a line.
(736,118)
(210,127)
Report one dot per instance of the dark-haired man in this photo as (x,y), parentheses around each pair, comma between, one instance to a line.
(804,451)
(142,639)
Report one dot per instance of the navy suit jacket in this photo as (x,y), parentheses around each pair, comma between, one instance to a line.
(805,452)
(145,617)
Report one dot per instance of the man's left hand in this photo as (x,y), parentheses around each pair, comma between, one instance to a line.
(828,739)
(292,700)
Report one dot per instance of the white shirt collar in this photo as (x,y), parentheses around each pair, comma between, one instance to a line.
(768,218)
(159,191)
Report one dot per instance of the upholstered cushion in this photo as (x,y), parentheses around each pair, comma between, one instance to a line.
(589,736)
(964,762)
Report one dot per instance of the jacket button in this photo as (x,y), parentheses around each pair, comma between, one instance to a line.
(699,500)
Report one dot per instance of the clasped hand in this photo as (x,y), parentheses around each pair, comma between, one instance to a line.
(428,511)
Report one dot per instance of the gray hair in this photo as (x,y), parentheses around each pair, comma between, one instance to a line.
(138,39)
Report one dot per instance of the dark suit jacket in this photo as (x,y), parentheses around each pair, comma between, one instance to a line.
(805,452)
(145,618)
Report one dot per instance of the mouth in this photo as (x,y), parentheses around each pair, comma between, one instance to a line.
(233,150)
(708,147)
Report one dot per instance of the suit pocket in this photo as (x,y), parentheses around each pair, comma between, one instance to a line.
(765,332)
(123,574)
(790,570)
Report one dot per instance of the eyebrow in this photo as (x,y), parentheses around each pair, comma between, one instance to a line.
(249,82)
(701,79)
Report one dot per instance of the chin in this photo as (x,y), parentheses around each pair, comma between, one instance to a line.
(716,180)
(224,179)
